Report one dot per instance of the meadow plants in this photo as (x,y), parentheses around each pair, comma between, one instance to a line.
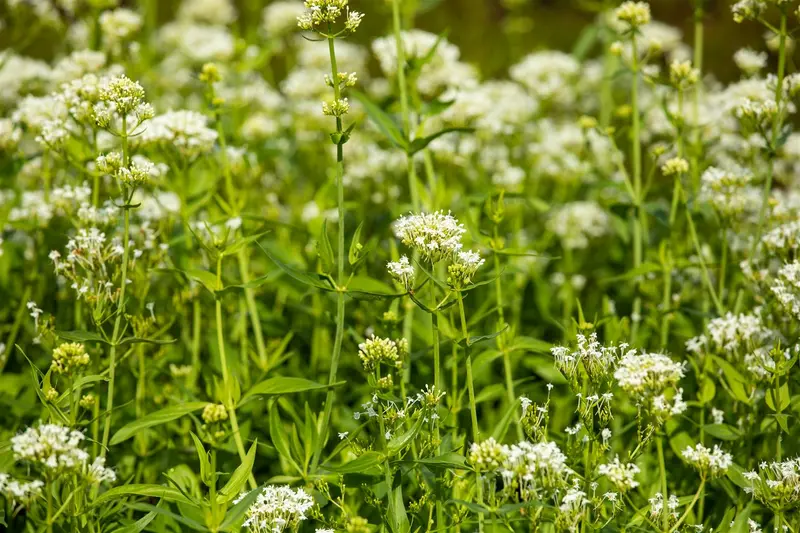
(263,270)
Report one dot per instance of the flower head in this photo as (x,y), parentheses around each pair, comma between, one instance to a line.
(435,236)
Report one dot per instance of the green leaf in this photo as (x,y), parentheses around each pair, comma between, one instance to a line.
(736,474)
(139,525)
(382,120)
(236,513)
(734,379)
(778,400)
(164,492)
(398,442)
(154,419)
(278,436)
(240,244)
(239,477)
(194,524)
(723,431)
(398,519)
(422,142)
(446,460)
(305,278)
(367,464)
(204,277)
(365,287)
(325,250)
(205,465)
(286,385)
(140,340)
(354,253)
(81,336)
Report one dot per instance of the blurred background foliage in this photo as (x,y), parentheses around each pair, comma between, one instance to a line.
(494,34)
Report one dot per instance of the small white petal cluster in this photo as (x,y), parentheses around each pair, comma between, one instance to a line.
(435,236)
(119,25)
(184,131)
(402,271)
(443,73)
(787,287)
(376,350)
(657,506)
(577,223)
(55,449)
(280,18)
(598,360)
(730,333)
(20,492)
(620,474)
(749,61)
(278,508)
(730,191)
(463,268)
(571,510)
(776,484)
(642,374)
(488,455)
(535,469)
(550,76)
(712,462)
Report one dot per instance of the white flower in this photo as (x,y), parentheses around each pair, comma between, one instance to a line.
(620,474)
(434,235)
(278,508)
(579,222)
(707,461)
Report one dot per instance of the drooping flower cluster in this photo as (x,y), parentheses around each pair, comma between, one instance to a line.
(278,508)
(620,474)
(402,271)
(597,361)
(709,462)
(54,449)
(776,484)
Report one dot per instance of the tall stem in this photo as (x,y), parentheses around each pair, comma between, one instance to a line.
(637,186)
(776,130)
(502,341)
(112,353)
(340,280)
(472,409)
(226,383)
(404,106)
(663,471)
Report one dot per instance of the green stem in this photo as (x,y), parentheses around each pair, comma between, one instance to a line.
(223,361)
(404,106)
(690,507)
(776,130)
(636,147)
(472,409)
(18,318)
(337,343)
(663,471)
(502,343)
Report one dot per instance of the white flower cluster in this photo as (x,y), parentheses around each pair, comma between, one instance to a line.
(651,379)
(731,191)
(20,492)
(278,508)
(776,484)
(657,507)
(435,236)
(731,333)
(549,76)
(597,360)
(443,73)
(621,475)
(535,469)
(402,271)
(55,449)
(376,350)
(787,287)
(577,223)
(713,462)
(184,131)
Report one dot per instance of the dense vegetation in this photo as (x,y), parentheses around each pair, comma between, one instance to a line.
(257,277)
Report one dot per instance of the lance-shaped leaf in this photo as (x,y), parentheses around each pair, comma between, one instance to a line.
(383,121)
(306,278)
(154,419)
(286,385)
(423,142)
